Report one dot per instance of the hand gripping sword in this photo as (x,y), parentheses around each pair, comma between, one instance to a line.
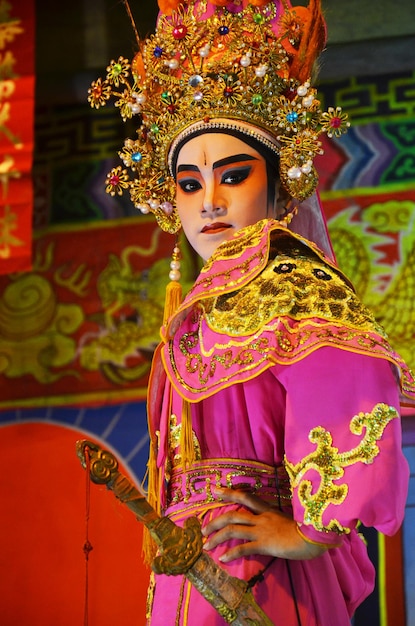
(181,549)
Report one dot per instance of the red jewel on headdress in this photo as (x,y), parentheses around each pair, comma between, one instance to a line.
(228,91)
(290,93)
(180,32)
(335,122)
(171,108)
(114,180)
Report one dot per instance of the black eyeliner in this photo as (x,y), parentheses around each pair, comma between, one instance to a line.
(243,171)
(185,181)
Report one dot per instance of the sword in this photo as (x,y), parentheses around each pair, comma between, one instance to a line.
(180,549)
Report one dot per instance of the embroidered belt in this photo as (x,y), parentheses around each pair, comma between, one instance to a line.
(191,490)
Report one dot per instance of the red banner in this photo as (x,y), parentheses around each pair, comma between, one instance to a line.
(82,326)
(16,134)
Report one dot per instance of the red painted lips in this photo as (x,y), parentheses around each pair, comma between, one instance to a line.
(215,227)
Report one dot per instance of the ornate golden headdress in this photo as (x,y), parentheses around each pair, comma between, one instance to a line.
(217,65)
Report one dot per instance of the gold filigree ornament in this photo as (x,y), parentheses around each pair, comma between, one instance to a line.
(217,66)
(330,464)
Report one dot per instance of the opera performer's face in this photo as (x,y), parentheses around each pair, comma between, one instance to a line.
(221,187)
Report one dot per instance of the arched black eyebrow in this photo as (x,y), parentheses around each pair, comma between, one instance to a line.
(187,168)
(235,158)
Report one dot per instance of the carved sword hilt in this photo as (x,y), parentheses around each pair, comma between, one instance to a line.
(181,549)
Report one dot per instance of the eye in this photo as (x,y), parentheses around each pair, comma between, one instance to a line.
(236,175)
(189,185)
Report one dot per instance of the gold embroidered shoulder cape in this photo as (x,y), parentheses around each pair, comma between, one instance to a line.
(266,297)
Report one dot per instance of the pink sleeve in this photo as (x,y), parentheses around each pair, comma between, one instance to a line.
(343,470)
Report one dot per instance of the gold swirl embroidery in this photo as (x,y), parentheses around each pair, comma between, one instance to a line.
(195,362)
(329,464)
(174,444)
(250,354)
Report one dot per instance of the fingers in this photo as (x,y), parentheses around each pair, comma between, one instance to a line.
(234,525)
(228,532)
(243,549)
(231,525)
(229,518)
(248,500)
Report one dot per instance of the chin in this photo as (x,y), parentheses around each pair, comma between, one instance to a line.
(206,245)
(205,255)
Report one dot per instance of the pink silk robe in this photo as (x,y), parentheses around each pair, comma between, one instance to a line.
(292,409)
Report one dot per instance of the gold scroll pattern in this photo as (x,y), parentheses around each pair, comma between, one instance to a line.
(330,465)
(36,329)
(360,239)
(91,317)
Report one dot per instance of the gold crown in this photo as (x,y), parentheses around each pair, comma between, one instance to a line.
(219,65)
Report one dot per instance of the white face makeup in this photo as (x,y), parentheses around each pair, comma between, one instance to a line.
(221,187)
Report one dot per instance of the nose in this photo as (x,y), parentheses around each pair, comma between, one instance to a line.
(213,203)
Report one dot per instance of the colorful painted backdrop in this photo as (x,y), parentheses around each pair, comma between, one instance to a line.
(77,334)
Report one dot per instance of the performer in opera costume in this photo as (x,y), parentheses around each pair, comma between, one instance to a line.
(274,395)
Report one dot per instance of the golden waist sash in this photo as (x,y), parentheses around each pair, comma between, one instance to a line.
(190,490)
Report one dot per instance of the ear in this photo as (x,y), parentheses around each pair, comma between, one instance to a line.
(282,201)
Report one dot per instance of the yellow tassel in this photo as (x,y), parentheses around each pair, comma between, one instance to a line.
(187,448)
(173,299)
(173,289)
(153,497)
(171,304)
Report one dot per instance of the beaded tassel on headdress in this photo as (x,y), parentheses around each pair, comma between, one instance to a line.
(173,289)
